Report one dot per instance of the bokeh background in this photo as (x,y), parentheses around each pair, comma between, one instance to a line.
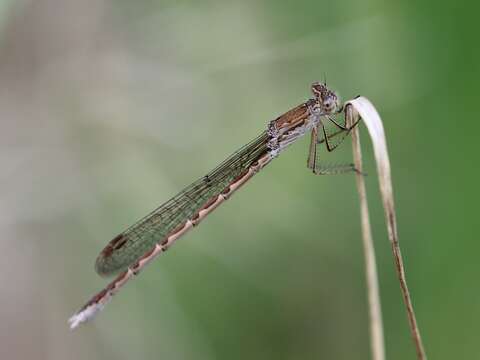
(108,108)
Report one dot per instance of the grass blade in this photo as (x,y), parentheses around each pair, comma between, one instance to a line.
(363,108)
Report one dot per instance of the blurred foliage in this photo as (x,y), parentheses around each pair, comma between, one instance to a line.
(108,108)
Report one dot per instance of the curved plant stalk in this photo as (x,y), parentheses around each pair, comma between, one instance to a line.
(377,342)
(354,110)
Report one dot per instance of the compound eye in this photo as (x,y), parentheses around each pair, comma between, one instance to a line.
(328,105)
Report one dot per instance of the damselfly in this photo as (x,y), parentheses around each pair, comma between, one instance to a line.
(130,251)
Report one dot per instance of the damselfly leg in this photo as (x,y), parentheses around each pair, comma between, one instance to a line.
(332,133)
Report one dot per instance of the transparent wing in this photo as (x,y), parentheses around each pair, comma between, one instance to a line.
(126,248)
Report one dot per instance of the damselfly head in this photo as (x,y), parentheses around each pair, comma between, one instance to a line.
(327,98)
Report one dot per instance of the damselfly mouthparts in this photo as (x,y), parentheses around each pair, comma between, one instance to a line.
(130,251)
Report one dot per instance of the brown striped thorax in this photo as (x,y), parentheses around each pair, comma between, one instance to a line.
(288,127)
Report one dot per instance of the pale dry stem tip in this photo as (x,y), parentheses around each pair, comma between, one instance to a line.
(377,342)
(362,108)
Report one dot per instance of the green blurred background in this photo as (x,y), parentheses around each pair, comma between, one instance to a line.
(108,108)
